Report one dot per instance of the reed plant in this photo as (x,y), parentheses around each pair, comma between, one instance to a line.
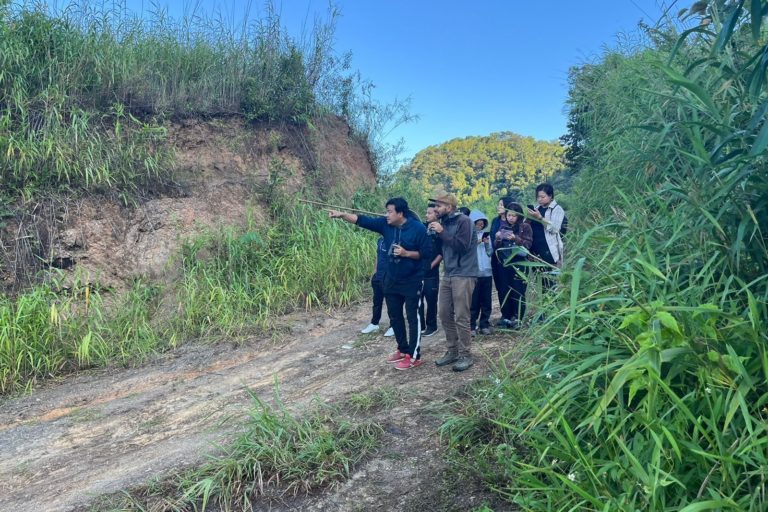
(647,387)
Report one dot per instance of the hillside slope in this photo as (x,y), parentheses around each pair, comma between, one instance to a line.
(225,171)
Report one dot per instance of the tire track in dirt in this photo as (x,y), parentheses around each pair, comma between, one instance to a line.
(104,431)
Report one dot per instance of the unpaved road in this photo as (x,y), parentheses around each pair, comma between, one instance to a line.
(100,432)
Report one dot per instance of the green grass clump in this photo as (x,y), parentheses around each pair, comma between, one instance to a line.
(303,260)
(382,398)
(48,331)
(277,452)
(651,390)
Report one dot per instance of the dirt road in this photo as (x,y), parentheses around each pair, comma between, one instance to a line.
(100,432)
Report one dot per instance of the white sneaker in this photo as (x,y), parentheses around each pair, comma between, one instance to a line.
(371,328)
(390,332)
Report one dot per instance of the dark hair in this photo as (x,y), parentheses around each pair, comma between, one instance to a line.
(464,210)
(400,204)
(515,207)
(432,205)
(546,188)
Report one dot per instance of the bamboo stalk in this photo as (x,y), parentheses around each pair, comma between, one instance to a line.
(335,207)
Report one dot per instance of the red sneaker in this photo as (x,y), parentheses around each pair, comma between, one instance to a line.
(405,364)
(416,362)
(396,357)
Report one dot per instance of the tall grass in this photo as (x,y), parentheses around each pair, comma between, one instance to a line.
(303,260)
(48,330)
(651,391)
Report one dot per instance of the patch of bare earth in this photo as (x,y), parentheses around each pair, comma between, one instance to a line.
(101,432)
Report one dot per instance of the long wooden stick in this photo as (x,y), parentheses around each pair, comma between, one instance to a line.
(335,207)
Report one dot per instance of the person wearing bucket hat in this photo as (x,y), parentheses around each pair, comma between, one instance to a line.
(459,276)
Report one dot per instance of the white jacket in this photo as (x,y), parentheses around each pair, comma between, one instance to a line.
(554,215)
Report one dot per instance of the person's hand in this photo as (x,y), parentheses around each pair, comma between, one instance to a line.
(436,227)
(397,250)
(335,214)
(535,214)
(510,236)
(498,235)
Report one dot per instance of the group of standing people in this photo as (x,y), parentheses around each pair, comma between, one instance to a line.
(409,255)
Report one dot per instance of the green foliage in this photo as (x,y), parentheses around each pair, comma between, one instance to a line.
(48,331)
(303,260)
(277,450)
(481,168)
(651,392)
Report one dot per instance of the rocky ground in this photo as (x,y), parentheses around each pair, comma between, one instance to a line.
(99,432)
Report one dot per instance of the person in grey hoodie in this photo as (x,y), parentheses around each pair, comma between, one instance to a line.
(481,296)
(458,282)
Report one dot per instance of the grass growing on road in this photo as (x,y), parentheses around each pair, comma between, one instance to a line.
(277,452)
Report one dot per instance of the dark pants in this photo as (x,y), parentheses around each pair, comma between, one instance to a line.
(513,296)
(481,303)
(378,300)
(405,294)
(542,252)
(496,267)
(429,296)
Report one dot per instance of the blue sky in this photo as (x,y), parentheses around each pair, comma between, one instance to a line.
(470,68)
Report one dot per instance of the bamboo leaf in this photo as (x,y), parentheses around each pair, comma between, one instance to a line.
(756,18)
(761,141)
(710,505)
(727,31)
(577,272)
(697,90)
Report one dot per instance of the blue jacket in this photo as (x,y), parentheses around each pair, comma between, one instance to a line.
(411,236)
(381,260)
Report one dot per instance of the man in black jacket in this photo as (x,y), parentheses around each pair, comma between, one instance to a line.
(459,276)
(407,242)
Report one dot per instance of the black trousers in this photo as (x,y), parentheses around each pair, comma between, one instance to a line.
(378,300)
(405,295)
(496,267)
(481,303)
(429,302)
(542,252)
(515,280)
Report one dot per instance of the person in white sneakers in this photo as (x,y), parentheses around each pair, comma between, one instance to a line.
(376,285)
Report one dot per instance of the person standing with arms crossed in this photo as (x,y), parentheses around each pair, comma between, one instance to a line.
(405,238)
(459,276)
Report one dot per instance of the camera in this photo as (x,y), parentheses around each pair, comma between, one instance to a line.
(394,258)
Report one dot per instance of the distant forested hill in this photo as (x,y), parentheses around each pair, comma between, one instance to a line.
(479,168)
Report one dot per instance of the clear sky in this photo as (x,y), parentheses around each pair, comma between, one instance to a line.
(469,67)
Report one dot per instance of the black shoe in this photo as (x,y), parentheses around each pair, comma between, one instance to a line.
(448,358)
(515,324)
(463,363)
(428,332)
(486,331)
(504,324)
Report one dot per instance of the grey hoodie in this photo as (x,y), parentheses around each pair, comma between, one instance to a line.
(484,250)
(459,247)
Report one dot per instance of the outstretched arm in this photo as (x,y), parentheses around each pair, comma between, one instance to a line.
(348,217)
